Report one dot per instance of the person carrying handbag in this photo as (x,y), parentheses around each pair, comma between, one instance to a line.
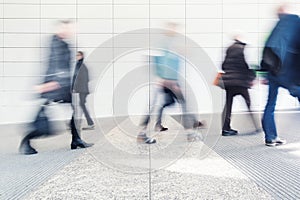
(56,88)
(237,78)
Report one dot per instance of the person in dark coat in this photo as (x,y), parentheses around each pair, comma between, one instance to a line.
(56,88)
(236,79)
(281,58)
(80,85)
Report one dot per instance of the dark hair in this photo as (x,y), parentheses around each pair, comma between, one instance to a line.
(65,22)
(81,53)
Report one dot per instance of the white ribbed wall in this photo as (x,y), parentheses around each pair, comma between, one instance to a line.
(25,27)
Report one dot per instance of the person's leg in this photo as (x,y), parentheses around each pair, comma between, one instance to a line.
(25,147)
(142,136)
(40,128)
(82,99)
(175,93)
(154,98)
(76,140)
(268,121)
(77,111)
(82,102)
(245,94)
(168,100)
(226,115)
(74,132)
(145,121)
(189,119)
(295,91)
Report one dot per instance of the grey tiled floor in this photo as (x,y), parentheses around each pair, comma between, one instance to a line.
(116,167)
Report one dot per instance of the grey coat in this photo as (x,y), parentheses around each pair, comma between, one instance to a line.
(81,79)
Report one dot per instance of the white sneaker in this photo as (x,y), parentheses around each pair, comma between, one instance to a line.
(280,141)
(275,142)
(143,138)
(89,127)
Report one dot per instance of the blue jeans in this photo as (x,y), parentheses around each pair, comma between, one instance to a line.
(268,121)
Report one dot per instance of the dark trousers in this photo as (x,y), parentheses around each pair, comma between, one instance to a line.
(82,101)
(168,100)
(74,131)
(170,97)
(230,93)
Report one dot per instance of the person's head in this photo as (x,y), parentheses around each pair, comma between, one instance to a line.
(171,27)
(79,55)
(283,9)
(239,35)
(65,29)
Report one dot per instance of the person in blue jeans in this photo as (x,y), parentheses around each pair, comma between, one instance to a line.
(281,58)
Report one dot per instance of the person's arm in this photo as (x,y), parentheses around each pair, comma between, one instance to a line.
(47,87)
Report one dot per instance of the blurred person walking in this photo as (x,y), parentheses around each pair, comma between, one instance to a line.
(56,88)
(236,79)
(168,69)
(157,93)
(80,85)
(281,58)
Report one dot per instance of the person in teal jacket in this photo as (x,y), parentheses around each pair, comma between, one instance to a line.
(167,69)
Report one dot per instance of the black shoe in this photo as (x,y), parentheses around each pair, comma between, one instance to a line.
(26,149)
(275,142)
(143,138)
(229,132)
(233,130)
(80,143)
(270,143)
(160,128)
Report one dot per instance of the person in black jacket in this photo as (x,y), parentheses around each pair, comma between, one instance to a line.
(56,88)
(237,79)
(80,85)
